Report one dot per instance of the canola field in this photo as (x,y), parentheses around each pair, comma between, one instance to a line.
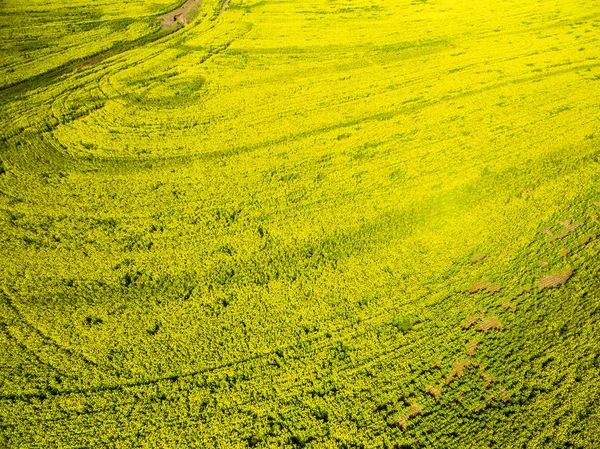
(292,224)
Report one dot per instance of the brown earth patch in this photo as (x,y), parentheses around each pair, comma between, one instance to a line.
(503,395)
(556,279)
(490,323)
(435,392)
(509,306)
(488,379)
(415,410)
(458,370)
(522,291)
(402,423)
(472,320)
(472,347)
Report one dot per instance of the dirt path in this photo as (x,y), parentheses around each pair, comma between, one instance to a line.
(170,22)
(224,7)
(181,16)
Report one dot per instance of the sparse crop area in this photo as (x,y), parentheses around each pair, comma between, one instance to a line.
(326,224)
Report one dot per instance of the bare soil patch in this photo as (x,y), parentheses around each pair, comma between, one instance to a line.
(556,279)
(435,392)
(415,409)
(490,323)
(485,285)
(458,370)
(509,306)
(472,347)
(488,379)
(472,320)
(522,292)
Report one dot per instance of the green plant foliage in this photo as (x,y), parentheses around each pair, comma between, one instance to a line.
(326,224)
